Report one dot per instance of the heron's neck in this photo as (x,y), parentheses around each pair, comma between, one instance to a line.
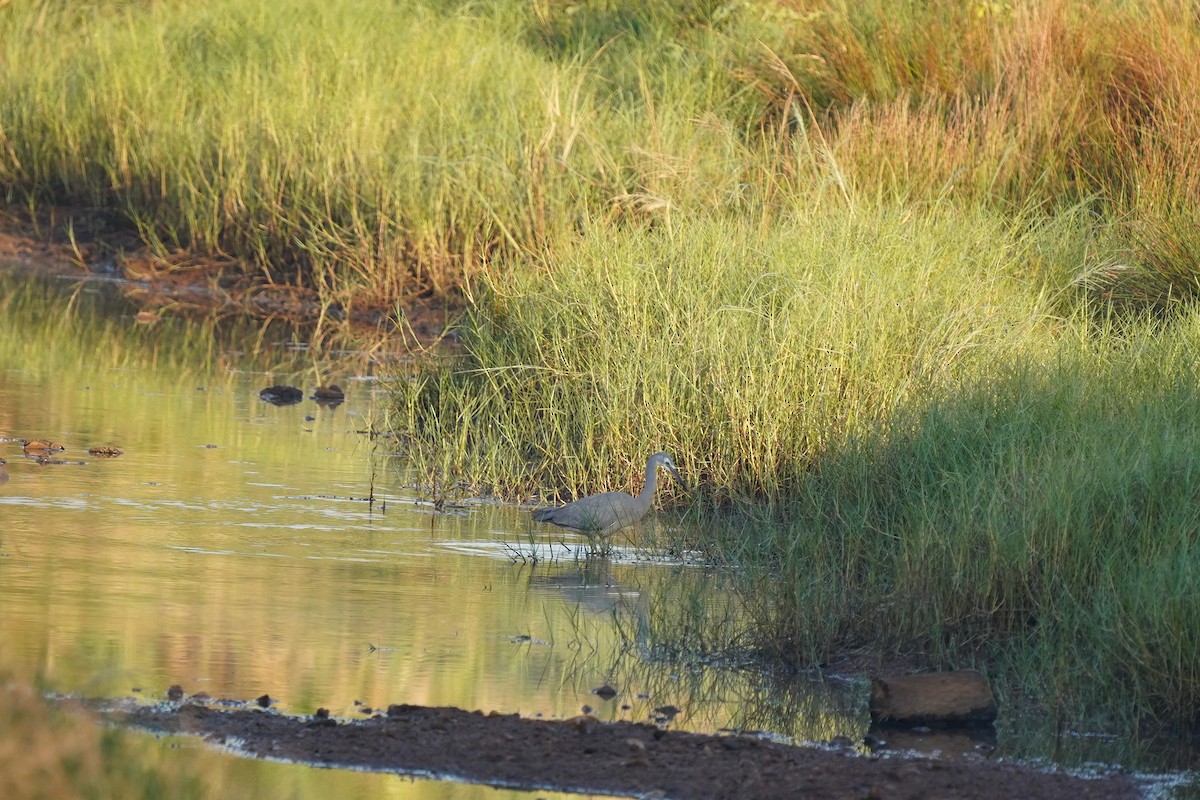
(650,485)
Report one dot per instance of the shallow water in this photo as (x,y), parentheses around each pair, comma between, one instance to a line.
(232,550)
(227,774)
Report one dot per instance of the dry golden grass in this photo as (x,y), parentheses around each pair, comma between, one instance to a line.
(60,751)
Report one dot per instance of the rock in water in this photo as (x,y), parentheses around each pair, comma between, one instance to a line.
(934,698)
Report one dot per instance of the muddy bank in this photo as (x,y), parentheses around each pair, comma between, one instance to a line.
(618,758)
(72,243)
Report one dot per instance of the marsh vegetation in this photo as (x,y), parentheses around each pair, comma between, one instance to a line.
(907,289)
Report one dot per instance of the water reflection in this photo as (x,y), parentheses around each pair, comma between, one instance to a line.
(232,548)
(227,775)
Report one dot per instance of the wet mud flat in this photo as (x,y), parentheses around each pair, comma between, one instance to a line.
(621,758)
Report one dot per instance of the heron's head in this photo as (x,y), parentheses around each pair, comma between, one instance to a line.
(663,460)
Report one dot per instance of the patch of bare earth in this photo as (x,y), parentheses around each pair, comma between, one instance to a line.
(621,758)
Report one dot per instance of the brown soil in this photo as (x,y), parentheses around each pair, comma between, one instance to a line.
(74,243)
(619,758)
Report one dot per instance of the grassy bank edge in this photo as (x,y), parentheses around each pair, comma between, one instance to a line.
(903,440)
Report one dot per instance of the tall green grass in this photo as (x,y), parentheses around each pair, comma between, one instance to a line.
(1043,518)
(907,439)
(372,151)
(746,353)
(375,150)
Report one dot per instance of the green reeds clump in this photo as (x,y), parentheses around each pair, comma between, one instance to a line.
(927,452)
(745,353)
(1042,518)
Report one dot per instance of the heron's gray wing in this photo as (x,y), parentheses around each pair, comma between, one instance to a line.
(599,512)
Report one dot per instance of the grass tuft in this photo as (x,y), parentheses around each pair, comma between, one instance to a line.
(905,440)
(745,355)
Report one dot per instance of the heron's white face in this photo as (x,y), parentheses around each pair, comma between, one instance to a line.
(664,460)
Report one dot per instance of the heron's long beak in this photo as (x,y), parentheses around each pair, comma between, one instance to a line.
(679,480)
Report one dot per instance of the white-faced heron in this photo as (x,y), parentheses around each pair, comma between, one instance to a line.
(599,516)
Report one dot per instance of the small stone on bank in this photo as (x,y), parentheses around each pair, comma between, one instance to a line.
(937,698)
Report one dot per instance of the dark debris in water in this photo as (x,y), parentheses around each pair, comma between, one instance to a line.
(46,451)
(331,395)
(281,395)
(41,446)
(665,713)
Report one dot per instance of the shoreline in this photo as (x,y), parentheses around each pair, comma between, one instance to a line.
(583,754)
